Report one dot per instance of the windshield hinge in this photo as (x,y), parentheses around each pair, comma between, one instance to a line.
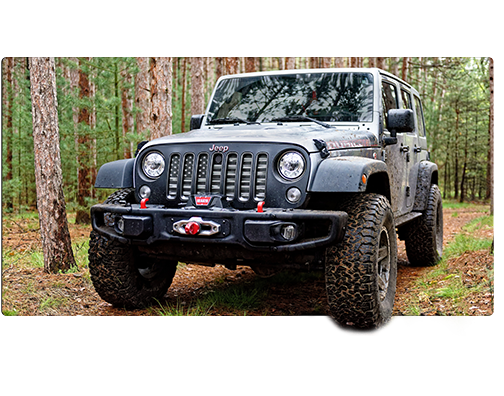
(322,147)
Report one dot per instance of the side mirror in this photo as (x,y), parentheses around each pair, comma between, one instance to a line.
(399,120)
(196,121)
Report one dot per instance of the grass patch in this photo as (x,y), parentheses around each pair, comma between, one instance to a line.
(182,321)
(237,298)
(452,204)
(455,288)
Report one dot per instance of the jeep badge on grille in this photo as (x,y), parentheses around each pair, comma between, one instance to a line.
(217,149)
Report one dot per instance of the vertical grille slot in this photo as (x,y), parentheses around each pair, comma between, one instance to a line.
(245,176)
(215,177)
(173,176)
(202,173)
(260,178)
(187,176)
(231,169)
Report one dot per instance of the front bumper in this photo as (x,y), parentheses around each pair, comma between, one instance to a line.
(254,231)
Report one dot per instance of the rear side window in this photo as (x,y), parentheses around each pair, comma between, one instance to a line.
(420,119)
(389,99)
(406,100)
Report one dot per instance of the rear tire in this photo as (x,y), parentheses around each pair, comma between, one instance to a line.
(424,235)
(361,271)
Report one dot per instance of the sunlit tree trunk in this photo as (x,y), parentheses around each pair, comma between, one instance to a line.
(231,65)
(56,243)
(142,97)
(339,62)
(161,90)
(290,63)
(197,86)
(380,63)
(404,68)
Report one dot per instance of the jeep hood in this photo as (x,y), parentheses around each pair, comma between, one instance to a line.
(335,137)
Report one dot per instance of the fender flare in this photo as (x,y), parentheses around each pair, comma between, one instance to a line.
(427,175)
(116,174)
(344,174)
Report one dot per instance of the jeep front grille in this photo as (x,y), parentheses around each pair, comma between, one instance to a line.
(235,176)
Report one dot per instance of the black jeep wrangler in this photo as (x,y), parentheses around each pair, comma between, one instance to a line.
(304,169)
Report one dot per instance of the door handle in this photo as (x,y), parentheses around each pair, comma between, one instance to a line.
(417,149)
(404,149)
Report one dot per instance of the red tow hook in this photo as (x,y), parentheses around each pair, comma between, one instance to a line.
(143,203)
(192,228)
(260,207)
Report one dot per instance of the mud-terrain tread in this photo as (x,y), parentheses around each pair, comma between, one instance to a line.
(421,233)
(114,273)
(351,265)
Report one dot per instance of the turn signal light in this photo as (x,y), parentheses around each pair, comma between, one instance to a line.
(192,228)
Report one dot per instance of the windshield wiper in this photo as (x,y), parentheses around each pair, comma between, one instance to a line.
(301,118)
(231,120)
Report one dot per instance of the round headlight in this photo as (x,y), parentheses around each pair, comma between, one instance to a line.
(153,165)
(291,165)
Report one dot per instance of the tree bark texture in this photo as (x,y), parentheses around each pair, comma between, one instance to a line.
(161,92)
(56,243)
(231,65)
(490,162)
(142,97)
(197,86)
(250,64)
(7,95)
(127,115)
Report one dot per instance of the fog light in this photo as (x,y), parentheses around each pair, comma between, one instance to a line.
(293,194)
(288,232)
(120,224)
(144,192)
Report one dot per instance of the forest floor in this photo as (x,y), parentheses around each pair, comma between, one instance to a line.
(460,285)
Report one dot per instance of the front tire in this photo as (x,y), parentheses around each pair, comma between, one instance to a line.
(361,271)
(123,276)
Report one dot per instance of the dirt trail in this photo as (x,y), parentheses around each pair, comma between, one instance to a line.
(29,291)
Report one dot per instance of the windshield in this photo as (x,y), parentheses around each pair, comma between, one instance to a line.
(321,96)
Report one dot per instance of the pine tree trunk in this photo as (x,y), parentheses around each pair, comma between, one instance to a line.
(380,63)
(142,97)
(84,123)
(161,90)
(56,243)
(127,116)
(184,88)
(490,162)
(339,62)
(8,65)
(290,63)
(197,86)
(404,68)
(231,65)
(219,67)
(250,64)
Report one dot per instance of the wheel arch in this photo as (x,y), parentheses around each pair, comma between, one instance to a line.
(426,177)
(351,174)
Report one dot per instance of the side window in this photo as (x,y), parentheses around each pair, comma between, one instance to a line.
(420,119)
(389,99)
(406,100)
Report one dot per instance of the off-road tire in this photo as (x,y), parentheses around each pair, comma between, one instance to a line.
(361,271)
(423,236)
(123,276)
